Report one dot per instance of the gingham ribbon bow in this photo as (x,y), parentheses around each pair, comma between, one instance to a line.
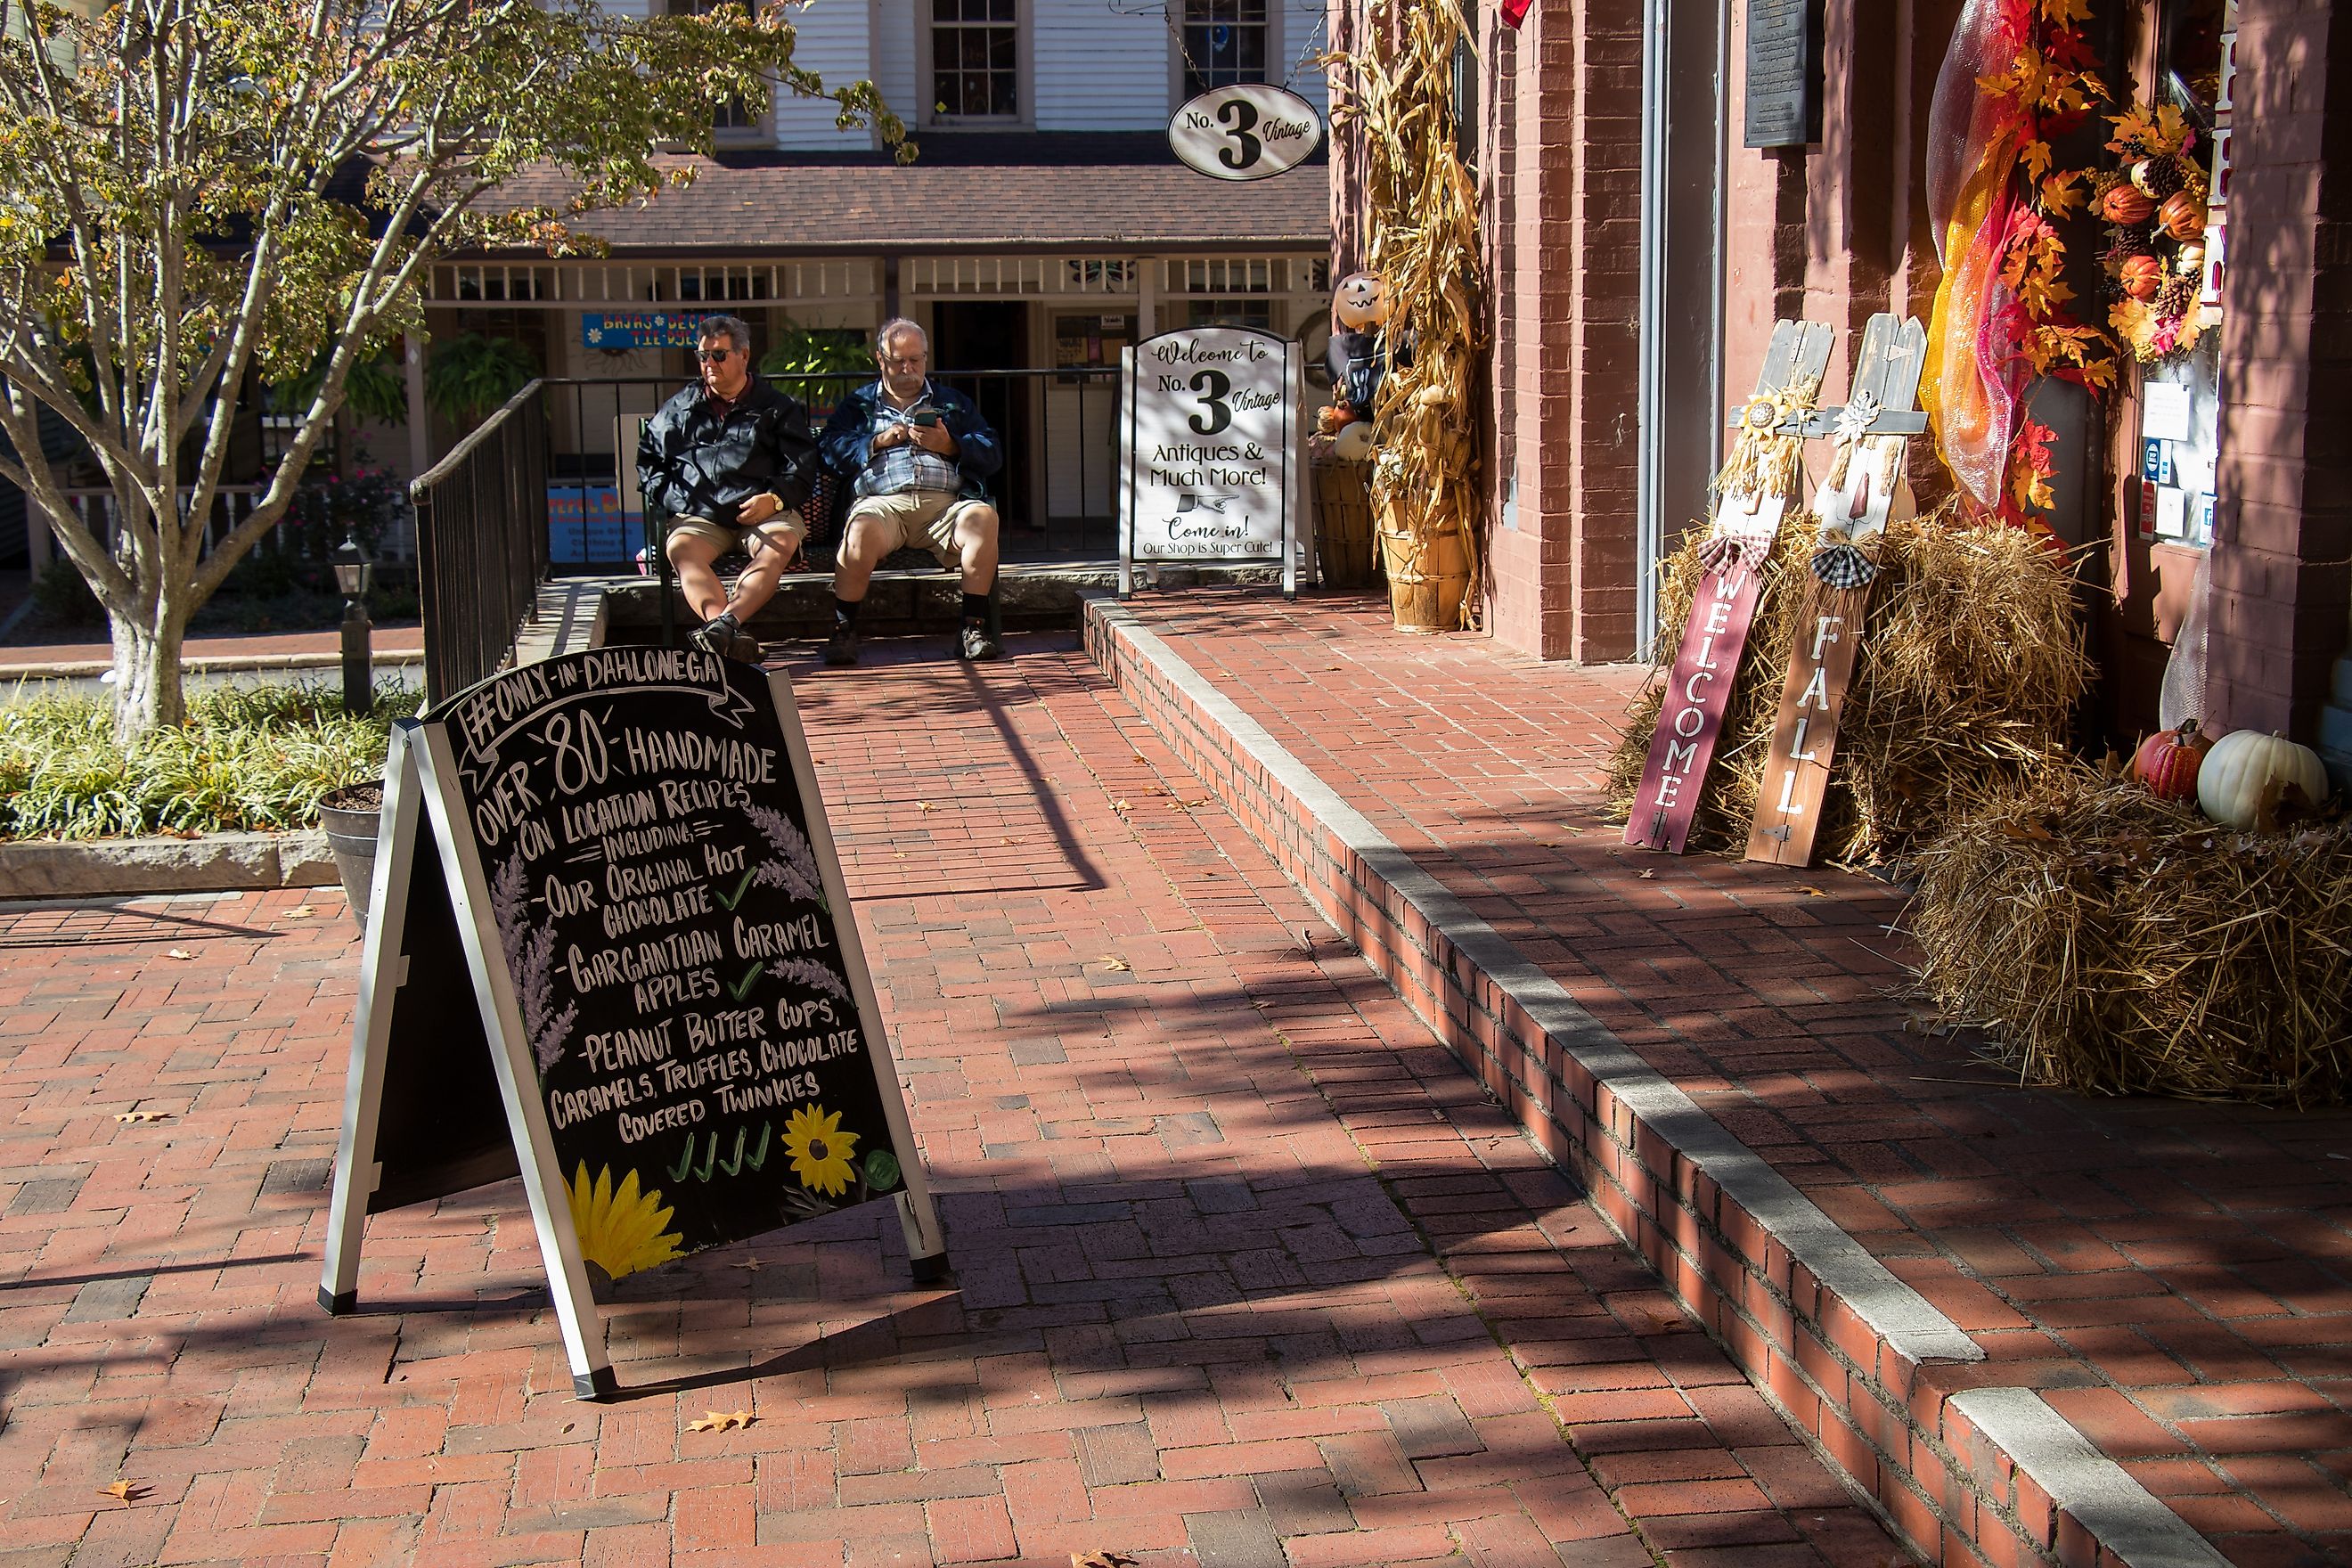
(1844,566)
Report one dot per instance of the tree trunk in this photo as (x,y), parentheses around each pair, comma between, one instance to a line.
(148,690)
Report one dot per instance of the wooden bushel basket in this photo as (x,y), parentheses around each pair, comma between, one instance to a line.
(1344,550)
(1427,580)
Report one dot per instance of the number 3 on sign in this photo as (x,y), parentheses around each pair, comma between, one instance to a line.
(1239,116)
(1212,386)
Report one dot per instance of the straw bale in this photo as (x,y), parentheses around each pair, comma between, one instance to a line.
(1972,666)
(2116,943)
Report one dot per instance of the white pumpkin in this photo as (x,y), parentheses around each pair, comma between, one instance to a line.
(2243,766)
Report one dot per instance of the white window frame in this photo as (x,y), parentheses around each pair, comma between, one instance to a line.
(1024,81)
(1277,14)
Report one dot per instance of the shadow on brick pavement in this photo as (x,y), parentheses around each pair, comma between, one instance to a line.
(1248,1272)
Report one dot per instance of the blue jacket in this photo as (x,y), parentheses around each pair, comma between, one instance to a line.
(847,434)
(692,463)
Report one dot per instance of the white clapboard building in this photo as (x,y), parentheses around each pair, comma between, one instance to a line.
(1043,224)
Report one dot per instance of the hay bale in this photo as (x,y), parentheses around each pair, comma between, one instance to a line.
(2117,943)
(1971,668)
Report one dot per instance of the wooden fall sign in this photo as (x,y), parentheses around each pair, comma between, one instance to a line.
(1699,688)
(1864,489)
(609,948)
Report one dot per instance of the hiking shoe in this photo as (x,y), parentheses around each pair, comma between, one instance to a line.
(977,643)
(841,648)
(716,635)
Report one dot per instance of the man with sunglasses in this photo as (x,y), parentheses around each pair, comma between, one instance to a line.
(730,459)
(919,455)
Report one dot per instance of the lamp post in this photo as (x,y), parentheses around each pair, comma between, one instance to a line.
(353,571)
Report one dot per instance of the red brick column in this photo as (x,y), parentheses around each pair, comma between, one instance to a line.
(2283,527)
(1560,173)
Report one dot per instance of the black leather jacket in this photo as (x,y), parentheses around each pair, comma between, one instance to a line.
(691,463)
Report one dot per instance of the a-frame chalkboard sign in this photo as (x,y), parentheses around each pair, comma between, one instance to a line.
(609,946)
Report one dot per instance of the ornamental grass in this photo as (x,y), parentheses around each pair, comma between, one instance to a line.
(248,757)
(2114,943)
(1970,670)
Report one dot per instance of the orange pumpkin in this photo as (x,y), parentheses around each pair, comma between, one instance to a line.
(2126,205)
(2183,216)
(2168,762)
(2142,277)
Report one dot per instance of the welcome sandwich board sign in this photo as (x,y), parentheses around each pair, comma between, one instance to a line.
(609,948)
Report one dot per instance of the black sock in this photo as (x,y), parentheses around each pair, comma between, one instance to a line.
(975,608)
(726,618)
(845,615)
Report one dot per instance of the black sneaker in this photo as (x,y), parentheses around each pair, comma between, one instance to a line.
(977,643)
(841,648)
(716,635)
(747,648)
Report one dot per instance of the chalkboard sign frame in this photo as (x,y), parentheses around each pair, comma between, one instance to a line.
(422,801)
(1785,112)
(1139,393)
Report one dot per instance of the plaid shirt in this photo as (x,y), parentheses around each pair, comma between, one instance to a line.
(896,470)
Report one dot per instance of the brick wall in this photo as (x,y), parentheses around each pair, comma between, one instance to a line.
(2283,527)
(1560,162)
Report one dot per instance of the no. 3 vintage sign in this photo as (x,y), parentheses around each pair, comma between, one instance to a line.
(1247,132)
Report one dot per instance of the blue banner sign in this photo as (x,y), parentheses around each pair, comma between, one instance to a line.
(643,329)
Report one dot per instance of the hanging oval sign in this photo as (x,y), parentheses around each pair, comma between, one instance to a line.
(1246,132)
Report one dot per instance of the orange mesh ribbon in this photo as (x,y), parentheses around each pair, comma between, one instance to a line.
(1975,371)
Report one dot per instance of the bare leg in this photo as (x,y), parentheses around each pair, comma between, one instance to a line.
(975,537)
(861,552)
(771,554)
(694,558)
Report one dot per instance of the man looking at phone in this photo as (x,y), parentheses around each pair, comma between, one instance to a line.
(730,459)
(918,455)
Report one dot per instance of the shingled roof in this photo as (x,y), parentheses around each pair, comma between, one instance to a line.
(1036,192)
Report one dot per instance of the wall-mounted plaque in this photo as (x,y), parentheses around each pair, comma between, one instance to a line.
(1784,73)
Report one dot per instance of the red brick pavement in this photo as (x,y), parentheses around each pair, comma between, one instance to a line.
(1248,1271)
(2176,1277)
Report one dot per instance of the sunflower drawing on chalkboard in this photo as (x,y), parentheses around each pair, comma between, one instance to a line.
(820,1149)
(620,1232)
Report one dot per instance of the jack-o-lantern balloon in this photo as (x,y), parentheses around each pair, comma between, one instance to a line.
(1362,301)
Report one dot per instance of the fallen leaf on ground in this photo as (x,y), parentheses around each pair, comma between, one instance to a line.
(1120,805)
(927,805)
(140,1115)
(1648,876)
(129,1491)
(1812,893)
(180,952)
(719,1420)
(1101,1560)
(300,912)
(1111,961)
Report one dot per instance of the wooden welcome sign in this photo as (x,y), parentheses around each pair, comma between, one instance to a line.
(609,948)
(1699,688)
(1865,486)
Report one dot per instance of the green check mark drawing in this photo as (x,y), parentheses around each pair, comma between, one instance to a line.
(742,988)
(742,888)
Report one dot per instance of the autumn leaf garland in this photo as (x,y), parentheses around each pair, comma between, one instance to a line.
(2055,85)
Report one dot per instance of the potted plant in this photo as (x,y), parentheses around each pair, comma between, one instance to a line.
(352,816)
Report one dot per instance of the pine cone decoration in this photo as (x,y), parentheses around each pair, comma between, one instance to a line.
(2159,177)
(2177,298)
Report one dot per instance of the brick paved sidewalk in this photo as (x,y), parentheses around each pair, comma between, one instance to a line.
(1249,1273)
(2176,1277)
(36,652)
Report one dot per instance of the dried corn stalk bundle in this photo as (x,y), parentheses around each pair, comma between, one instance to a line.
(1425,241)
(1972,666)
(2117,943)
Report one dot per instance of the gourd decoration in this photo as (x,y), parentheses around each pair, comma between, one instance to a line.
(2127,204)
(2248,776)
(2142,277)
(2183,216)
(2169,760)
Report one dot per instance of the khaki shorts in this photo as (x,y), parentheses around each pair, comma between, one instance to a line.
(921,520)
(785,531)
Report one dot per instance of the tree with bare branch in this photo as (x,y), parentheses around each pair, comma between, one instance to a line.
(196,195)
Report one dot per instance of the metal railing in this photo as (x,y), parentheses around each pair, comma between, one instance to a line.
(481,544)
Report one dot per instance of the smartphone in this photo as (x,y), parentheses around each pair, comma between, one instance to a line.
(928,417)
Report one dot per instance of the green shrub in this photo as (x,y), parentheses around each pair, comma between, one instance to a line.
(248,757)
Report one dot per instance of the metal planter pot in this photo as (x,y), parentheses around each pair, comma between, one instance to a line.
(350,816)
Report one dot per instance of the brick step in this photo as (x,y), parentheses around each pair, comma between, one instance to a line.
(1900,1401)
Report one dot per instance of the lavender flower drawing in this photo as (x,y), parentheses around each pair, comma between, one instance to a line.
(815,976)
(793,867)
(531,959)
